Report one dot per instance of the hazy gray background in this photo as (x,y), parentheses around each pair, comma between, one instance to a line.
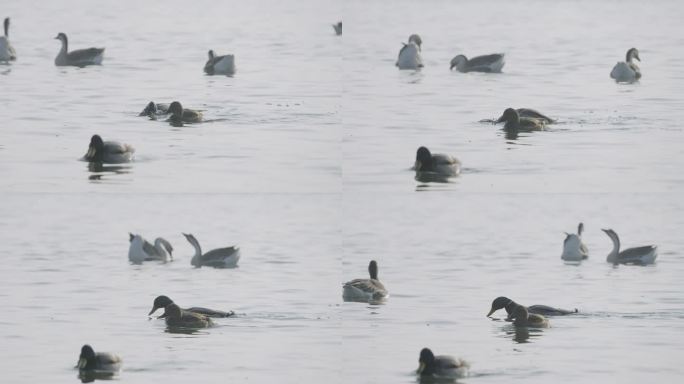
(306,166)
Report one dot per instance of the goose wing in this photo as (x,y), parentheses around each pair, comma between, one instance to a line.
(635,254)
(84,56)
(218,255)
(484,63)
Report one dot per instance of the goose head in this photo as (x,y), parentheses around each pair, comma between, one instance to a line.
(632,53)
(373,269)
(459,61)
(416,40)
(211,54)
(63,38)
(6,24)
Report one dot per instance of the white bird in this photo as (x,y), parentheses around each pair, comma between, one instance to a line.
(220,65)
(7,52)
(227,257)
(486,63)
(79,57)
(639,255)
(141,250)
(365,290)
(573,247)
(409,55)
(627,71)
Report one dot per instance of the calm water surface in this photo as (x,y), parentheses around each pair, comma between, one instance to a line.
(304,162)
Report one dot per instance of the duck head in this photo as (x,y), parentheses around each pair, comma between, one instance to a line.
(95,149)
(160,302)
(373,269)
(510,115)
(426,362)
(499,303)
(87,358)
(423,158)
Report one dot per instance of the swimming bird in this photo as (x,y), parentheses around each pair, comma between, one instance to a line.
(365,290)
(176,317)
(409,55)
(439,164)
(444,366)
(528,113)
(220,65)
(7,52)
(218,258)
(111,152)
(103,362)
(515,122)
(510,305)
(78,58)
(638,255)
(153,109)
(522,318)
(627,71)
(573,247)
(164,301)
(183,115)
(487,63)
(338,28)
(141,250)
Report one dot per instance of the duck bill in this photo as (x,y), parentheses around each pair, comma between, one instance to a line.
(491,311)
(152,311)
(82,362)
(421,368)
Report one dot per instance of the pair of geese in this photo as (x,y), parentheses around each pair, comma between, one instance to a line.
(140,250)
(409,58)
(574,249)
(215,65)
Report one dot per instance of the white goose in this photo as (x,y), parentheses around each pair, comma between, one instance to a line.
(627,71)
(220,65)
(409,55)
(227,257)
(79,57)
(7,52)
(638,255)
(365,290)
(141,250)
(573,247)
